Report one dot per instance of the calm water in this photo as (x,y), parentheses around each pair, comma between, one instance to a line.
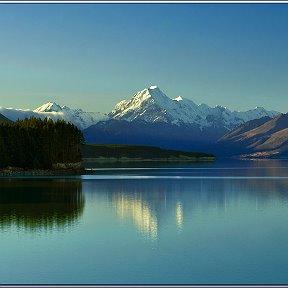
(203,223)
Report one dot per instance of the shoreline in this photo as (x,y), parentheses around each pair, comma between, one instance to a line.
(139,159)
(77,169)
(19,172)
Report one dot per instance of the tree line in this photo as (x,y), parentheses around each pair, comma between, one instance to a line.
(36,143)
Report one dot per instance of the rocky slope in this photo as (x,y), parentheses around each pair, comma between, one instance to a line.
(267,138)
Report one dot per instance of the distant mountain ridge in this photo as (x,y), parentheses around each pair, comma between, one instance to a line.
(4,119)
(152,118)
(54,111)
(267,139)
(152,105)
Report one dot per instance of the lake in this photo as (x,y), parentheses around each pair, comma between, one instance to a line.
(202,223)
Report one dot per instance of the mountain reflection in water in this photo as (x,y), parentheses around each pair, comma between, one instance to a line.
(37,205)
(139,210)
(151,203)
(207,223)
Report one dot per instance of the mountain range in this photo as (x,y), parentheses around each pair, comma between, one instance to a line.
(54,111)
(150,117)
(152,105)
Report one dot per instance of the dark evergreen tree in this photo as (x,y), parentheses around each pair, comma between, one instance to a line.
(36,143)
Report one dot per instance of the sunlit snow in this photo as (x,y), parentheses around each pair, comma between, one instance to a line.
(152,105)
(52,110)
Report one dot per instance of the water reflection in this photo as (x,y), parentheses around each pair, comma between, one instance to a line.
(179,215)
(139,210)
(36,205)
(151,203)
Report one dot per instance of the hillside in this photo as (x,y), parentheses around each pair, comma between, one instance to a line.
(96,152)
(267,139)
(164,135)
(4,119)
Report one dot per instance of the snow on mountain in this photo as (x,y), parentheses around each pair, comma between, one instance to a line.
(15,114)
(49,107)
(152,105)
(53,111)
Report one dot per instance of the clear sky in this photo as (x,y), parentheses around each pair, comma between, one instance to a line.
(91,56)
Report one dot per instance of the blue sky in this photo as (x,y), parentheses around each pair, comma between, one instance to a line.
(92,56)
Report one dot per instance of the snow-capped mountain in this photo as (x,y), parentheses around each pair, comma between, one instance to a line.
(152,105)
(151,118)
(54,111)
(49,107)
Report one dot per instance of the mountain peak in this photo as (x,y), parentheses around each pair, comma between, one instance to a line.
(151,93)
(49,107)
(259,108)
(140,105)
(156,94)
(153,87)
(179,98)
(152,105)
(152,90)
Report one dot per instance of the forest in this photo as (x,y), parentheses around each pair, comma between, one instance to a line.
(34,143)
